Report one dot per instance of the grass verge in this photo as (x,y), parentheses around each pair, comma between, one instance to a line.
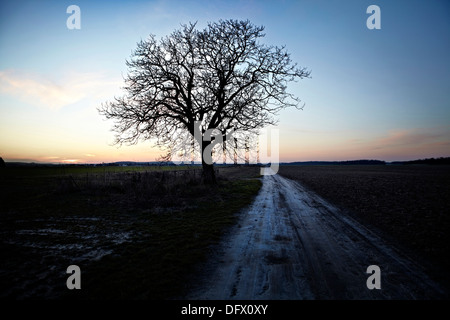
(138,237)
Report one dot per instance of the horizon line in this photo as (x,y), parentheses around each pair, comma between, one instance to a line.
(176,162)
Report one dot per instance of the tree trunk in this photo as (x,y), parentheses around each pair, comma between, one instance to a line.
(208,174)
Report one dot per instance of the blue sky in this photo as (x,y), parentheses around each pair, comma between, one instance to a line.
(374,94)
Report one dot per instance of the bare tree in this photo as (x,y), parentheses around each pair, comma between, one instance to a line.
(220,78)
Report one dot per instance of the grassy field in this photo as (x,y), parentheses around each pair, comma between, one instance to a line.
(135,232)
(409,203)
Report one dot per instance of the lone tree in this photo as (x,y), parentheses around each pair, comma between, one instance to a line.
(194,81)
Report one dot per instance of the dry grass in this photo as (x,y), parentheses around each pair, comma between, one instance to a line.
(135,234)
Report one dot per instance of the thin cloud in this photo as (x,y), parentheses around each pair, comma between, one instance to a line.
(38,90)
(71,161)
(405,144)
(405,138)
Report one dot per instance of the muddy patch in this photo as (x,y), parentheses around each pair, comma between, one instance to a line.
(293,245)
(41,250)
(273,258)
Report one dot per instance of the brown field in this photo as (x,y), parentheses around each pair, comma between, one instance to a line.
(408,203)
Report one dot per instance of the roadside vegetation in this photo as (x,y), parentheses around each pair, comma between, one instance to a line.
(135,232)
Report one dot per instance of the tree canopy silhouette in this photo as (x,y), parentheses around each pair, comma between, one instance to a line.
(220,78)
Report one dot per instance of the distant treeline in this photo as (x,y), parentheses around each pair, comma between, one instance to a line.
(432,161)
(110,164)
(349,162)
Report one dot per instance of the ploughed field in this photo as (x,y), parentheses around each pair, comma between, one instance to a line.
(408,203)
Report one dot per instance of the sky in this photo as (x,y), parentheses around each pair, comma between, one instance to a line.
(373,93)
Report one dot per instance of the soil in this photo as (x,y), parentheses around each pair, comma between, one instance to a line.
(135,234)
(291,244)
(408,203)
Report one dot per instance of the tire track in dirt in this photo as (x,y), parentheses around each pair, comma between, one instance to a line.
(292,245)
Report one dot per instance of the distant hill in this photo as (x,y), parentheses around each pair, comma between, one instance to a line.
(109,164)
(349,162)
(137,164)
(431,161)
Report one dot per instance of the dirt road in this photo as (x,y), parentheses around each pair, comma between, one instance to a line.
(291,244)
